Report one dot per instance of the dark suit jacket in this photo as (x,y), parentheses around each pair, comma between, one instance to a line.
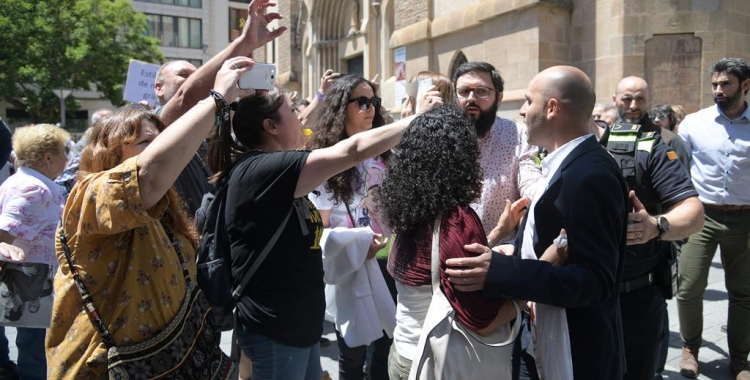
(588,197)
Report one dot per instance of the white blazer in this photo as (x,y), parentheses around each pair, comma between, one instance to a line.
(357,297)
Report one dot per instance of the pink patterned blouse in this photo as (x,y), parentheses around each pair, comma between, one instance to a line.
(30,208)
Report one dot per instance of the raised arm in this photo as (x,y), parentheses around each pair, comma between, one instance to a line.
(325,83)
(324,163)
(254,35)
(164,158)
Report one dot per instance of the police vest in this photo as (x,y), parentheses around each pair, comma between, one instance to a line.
(623,143)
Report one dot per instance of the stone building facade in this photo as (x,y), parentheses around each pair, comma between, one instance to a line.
(671,43)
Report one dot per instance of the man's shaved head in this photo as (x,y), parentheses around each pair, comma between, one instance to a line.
(558,106)
(571,87)
(631,99)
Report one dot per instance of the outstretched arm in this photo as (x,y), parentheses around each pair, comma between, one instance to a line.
(324,163)
(163,159)
(254,35)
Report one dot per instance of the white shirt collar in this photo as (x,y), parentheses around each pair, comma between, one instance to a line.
(552,161)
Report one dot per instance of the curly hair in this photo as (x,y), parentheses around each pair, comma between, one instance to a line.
(104,151)
(245,131)
(329,127)
(433,169)
(30,143)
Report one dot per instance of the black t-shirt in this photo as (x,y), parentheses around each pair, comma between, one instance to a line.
(284,300)
(664,182)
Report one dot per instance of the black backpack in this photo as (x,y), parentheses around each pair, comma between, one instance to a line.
(214,259)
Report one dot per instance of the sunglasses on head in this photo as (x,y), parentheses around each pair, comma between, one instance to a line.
(364,102)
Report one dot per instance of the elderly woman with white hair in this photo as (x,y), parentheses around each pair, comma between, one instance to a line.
(30,208)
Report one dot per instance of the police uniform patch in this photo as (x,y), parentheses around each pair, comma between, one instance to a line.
(672,155)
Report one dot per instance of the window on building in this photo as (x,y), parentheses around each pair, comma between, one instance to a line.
(458,60)
(237,18)
(182,3)
(195,62)
(176,31)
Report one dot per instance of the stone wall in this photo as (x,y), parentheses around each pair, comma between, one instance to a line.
(408,12)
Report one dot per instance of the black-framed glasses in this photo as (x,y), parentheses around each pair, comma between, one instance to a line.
(364,102)
(479,92)
(658,116)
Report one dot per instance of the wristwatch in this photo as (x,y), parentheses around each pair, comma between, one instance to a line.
(662,223)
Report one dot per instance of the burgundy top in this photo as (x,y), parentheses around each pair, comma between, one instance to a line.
(410,264)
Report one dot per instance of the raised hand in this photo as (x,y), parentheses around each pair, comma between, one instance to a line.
(327,80)
(429,100)
(229,75)
(255,32)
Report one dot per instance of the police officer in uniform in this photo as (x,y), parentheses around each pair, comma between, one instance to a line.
(665,208)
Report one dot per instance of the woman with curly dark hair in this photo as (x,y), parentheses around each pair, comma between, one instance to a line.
(434,171)
(345,200)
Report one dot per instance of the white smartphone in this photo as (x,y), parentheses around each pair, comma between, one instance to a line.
(261,77)
(422,87)
(412,89)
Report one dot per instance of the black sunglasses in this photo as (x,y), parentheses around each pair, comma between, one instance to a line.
(364,102)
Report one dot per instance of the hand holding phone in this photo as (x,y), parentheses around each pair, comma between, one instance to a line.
(261,77)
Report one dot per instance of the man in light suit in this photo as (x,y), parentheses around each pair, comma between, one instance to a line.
(582,192)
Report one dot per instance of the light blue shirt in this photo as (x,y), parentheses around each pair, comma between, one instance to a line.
(720,166)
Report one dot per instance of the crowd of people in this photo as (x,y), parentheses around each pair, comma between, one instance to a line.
(585,217)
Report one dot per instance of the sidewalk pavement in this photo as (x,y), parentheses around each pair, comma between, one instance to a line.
(714,354)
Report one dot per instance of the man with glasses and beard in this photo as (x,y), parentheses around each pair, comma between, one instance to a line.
(719,139)
(507,160)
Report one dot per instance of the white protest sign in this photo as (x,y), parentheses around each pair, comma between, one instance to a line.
(140,83)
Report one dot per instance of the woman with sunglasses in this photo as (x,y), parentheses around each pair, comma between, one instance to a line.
(350,107)
(280,311)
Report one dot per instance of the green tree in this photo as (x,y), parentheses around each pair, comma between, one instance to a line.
(79,44)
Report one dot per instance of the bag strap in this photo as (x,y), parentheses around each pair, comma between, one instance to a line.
(349,214)
(88,302)
(435,271)
(246,277)
(515,327)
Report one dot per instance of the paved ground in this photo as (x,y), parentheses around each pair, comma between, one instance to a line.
(713,355)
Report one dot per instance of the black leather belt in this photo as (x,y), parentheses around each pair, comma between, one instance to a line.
(636,283)
(727,208)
